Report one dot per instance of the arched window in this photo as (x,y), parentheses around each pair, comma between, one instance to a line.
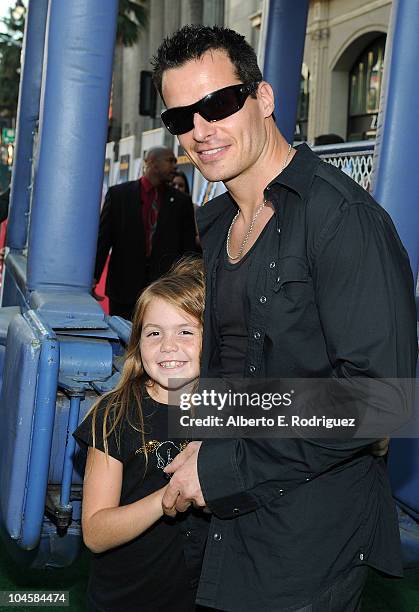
(365,81)
(303,103)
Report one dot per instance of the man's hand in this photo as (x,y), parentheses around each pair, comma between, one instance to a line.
(184,487)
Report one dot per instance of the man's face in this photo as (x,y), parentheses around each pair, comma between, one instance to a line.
(225,149)
(165,166)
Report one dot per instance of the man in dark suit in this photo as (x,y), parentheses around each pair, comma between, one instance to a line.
(148,225)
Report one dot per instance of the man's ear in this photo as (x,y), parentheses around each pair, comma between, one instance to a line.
(266,98)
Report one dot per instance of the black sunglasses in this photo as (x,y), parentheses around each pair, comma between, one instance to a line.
(213,107)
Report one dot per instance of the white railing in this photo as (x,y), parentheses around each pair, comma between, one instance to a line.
(353,158)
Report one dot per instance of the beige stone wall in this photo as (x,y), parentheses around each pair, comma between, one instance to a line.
(337,32)
(135,59)
(236,16)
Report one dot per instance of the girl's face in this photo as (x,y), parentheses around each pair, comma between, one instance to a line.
(170,347)
(179,183)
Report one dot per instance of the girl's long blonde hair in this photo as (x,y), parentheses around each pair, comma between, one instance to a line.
(183,287)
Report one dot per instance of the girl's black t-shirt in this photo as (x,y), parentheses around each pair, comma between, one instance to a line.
(147,574)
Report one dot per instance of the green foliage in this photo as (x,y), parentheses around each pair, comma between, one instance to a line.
(10,51)
(132,18)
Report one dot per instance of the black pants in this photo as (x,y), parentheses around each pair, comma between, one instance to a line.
(91,608)
(344,595)
(121,310)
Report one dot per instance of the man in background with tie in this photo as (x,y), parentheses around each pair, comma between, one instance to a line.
(148,225)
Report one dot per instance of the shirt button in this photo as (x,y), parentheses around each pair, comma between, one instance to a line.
(279,230)
(217,537)
(272,264)
(281,492)
(187,533)
(262,299)
(236,511)
(256,335)
(252,369)
(361,556)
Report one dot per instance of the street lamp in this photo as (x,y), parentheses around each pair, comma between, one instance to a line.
(19,10)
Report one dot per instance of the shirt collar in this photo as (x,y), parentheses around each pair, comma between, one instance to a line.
(299,173)
(146,185)
(298,176)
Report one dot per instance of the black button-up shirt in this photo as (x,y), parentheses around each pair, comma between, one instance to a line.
(331,296)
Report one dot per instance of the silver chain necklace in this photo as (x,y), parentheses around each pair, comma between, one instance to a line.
(252,223)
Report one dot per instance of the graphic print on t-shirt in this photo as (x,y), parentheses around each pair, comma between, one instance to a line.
(164,452)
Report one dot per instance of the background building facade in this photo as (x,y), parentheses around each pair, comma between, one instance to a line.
(343,62)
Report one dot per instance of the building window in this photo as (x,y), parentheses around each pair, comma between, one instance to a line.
(303,103)
(365,81)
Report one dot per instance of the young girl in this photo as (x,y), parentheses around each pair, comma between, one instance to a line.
(138,562)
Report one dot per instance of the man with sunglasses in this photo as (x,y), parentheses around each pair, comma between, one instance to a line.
(304,274)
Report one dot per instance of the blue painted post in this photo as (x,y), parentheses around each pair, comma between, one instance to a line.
(396,187)
(396,176)
(283,59)
(27,116)
(73,129)
(43,425)
(73,419)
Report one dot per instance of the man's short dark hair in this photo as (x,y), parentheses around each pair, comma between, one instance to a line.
(192,41)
